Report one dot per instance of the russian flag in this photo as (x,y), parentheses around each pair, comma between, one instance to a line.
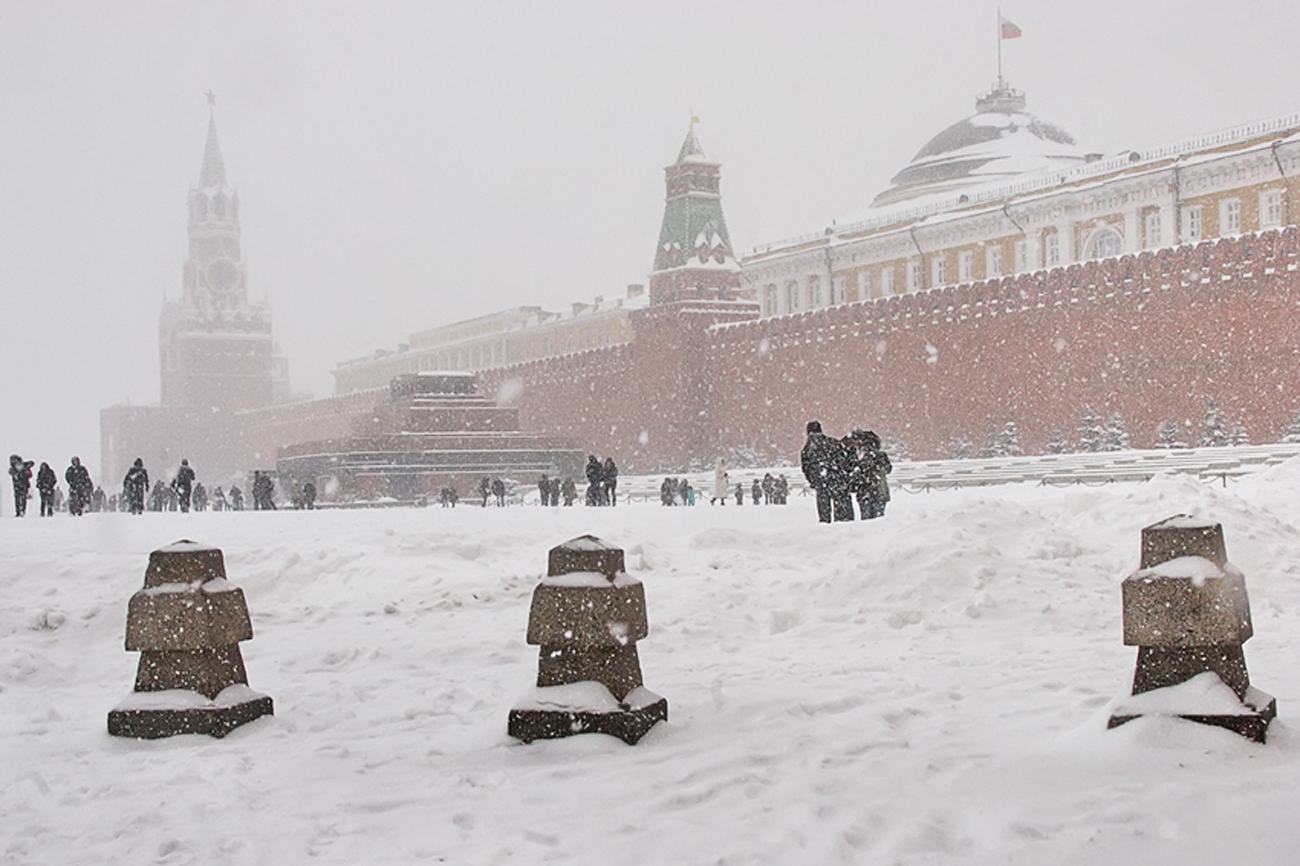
(1009,30)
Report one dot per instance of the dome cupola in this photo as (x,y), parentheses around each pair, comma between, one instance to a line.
(999,142)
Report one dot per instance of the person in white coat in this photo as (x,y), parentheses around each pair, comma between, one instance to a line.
(720,486)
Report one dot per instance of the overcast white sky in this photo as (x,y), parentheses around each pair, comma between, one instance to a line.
(408,164)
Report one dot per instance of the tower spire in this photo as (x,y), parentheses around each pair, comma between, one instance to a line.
(213,172)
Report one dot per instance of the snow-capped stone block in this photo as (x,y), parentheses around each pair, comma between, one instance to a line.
(180,616)
(548,713)
(587,615)
(1186,601)
(584,609)
(184,562)
(585,553)
(187,623)
(1187,611)
(1183,535)
(1205,699)
(154,715)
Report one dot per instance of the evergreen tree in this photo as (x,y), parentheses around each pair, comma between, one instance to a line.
(1238,435)
(895,448)
(1091,433)
(1010,440)
(1056,443)
(1003,443)
(1214,429)
(1168,436)
(1114,436)
(1291,433)
(960,448)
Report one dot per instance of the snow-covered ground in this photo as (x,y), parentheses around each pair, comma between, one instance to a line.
(928,688)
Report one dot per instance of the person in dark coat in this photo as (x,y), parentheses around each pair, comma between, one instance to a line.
(609,482)
(20,471)
(875,467)
(570,491)
(309,496)
(80,488)
(236,498)
(134,486)
(183,484)
(594,475)
(46,481)
(668,492)
(823,464)
(200,497)
(485,488)
(499,492)
(263,491)
(756,492)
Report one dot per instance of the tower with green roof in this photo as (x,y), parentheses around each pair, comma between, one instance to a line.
(694,259)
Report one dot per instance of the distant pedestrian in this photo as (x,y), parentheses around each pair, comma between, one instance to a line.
(183,484)
(756,492)
(485,488)
(609,482)
(263,491)
(200,496)
(46,481)
(720,484)
(134,486)
(570,491)
(740,494)
(499,492)
(20,471)
(80,489)
(594,484)
(309,496)
(236,498)
(219,502)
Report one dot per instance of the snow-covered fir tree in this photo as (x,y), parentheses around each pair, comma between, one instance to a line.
(1291,432)
(896,448)
(1238,435)
(1092,435)
(1114,436)
(1004,442)
(1056,443)
(1169,435)
(1214,428)
(960,448)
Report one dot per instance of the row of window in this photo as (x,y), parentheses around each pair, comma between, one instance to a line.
(1105,242)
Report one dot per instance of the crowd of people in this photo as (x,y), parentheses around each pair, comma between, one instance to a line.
(840,470)
(183,493)
(837,470)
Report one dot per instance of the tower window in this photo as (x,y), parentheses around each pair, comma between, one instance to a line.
(913,275)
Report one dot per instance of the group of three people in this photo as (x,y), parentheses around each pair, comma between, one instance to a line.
(839,470)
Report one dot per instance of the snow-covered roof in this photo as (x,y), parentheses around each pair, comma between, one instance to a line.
(1000,141)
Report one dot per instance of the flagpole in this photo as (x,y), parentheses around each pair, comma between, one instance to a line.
(999,29)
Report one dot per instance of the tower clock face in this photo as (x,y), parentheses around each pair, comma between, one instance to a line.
(222,275)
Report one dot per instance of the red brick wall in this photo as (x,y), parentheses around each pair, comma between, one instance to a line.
(1151,337)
